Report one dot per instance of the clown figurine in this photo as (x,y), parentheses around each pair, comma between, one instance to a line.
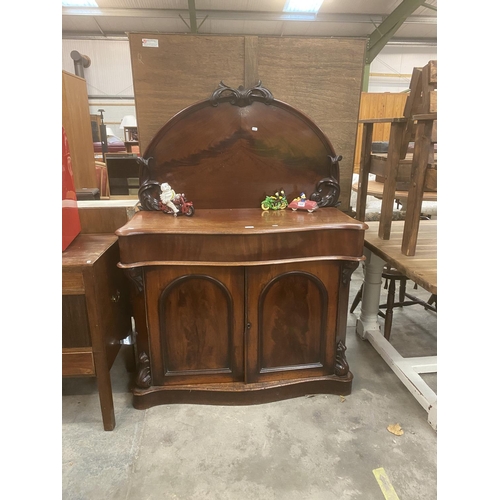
(167,195)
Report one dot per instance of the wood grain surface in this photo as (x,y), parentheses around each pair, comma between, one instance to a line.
(420,268)
(321,77)
(76,123)
(231,156)
(239,237)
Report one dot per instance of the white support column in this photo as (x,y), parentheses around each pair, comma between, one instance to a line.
(368,319)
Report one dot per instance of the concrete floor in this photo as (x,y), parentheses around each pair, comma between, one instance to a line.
(308,448)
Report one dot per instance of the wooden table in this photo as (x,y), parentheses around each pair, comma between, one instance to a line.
(96,313)
(420,268)
(376,189)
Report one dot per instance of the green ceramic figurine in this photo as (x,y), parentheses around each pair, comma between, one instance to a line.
(277,201)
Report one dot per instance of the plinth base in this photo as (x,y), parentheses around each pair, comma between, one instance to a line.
(239,393)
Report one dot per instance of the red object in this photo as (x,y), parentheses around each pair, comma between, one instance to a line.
(308,205)
(184,207)
(71,226)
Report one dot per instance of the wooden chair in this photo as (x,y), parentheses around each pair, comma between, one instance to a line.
(392,276)
(410,163)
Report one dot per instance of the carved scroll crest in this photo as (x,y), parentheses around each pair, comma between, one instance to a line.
(241,97)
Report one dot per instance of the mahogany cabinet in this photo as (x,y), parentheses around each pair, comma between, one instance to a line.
(236,304)
(248,315)
(96,313)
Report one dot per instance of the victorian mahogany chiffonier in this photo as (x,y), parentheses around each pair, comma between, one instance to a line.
(236,304)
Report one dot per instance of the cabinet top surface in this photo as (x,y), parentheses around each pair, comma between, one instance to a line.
(86,249)
(239,221)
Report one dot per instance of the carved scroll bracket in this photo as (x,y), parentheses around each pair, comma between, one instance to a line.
(347,269)
(241,97)
(149,191)
(134,274)
(328,189)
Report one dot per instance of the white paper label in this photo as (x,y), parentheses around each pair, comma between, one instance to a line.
(150,42)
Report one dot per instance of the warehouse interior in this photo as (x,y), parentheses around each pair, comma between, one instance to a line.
(377,441)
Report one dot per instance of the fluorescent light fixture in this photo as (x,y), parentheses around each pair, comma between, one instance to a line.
(309,6)
(79,3)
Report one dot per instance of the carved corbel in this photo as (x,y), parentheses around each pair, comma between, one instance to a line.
(143,378)
(341,366)
(134,275)
(347,269)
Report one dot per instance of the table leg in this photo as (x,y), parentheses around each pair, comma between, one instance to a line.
(368,319)
(105,393)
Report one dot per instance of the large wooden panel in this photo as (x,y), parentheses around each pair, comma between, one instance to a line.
(320,77)
(76,123)
(230,156)
(183,69)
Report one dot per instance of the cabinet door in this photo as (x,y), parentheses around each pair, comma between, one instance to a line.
(292,320)
(196,328)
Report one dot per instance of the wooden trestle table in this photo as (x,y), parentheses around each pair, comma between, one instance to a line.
(420,268)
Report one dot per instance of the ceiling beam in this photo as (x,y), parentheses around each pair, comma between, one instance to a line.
(192,16)
(241,15)
(385,31)
(429,6)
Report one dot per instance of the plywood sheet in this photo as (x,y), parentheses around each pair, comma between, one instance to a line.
(76,123)
(323,78)
(183,69)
